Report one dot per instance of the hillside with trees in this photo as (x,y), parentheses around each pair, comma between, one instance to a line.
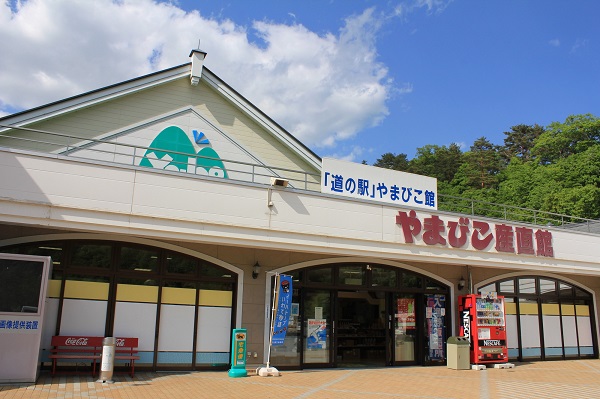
(553,169)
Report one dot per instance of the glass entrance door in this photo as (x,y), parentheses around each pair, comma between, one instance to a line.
(361,329)
(317,320)
(405,328)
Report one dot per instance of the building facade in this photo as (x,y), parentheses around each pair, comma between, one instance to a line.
(169,202)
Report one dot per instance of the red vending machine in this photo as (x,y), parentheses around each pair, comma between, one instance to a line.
(482,321)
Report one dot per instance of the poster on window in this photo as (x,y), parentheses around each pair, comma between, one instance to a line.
(436,326)
(406,313)
(316,336)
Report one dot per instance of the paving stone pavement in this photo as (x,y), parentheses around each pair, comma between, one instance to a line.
(556,379)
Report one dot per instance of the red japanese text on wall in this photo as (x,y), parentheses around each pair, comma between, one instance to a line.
(481,235)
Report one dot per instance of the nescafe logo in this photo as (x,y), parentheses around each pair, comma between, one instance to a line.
(466,322)
(491,342)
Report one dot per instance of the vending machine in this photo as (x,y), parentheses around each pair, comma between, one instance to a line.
(482,321)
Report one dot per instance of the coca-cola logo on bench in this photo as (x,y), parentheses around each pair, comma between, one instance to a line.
(76,341)
(84,341)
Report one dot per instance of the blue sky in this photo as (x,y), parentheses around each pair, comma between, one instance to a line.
(476,68)
(351,79)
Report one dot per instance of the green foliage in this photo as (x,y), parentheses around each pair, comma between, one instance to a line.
(517,182)
(560,140)
(520,140)
(392,161)
(435,161)
(480,166)
(579,201)
(554,169)
(570,186)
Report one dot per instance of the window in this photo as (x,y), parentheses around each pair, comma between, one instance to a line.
(581,293)
(488,288)
(320,275)
(411,280)
(382,277)
(565,290)
(210,270)
(352,275)
(52,249)
(181,264)
(547,287)
(527,286)
(91,255)
(507,286)
(138,259)
(433,285)
(547,318)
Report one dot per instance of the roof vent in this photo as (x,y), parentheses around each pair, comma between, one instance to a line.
(197,57)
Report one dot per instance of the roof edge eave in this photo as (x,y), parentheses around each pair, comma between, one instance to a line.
(90,97)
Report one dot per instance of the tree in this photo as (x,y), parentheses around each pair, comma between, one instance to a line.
(560,140)
(392,161)
(570,186)
(577,201)
(553,169)
(520,140)
(435,161)
(480,166)
(517,181)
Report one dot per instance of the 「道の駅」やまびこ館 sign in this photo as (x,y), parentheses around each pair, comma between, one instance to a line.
(355,180)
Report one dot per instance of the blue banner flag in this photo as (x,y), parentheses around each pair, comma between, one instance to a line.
(282,315)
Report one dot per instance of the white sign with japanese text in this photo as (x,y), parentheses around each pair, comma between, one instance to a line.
(25,279)
(355,180)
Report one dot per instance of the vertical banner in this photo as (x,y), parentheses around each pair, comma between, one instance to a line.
(435,313)
(283,302)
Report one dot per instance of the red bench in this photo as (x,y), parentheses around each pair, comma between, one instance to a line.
(75,348)
(127,349)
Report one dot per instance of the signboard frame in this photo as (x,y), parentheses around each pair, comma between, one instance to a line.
(354,180)
(21,332)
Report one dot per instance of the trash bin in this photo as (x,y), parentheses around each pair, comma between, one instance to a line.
(107,364)
(459,353)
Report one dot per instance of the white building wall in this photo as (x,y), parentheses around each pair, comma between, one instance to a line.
(56,192)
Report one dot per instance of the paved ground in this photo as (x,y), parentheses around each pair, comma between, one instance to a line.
(559,379)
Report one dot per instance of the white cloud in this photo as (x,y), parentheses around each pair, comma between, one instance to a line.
(579,44)
(432,6)
(323,88)
(554,42)
(353,154)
